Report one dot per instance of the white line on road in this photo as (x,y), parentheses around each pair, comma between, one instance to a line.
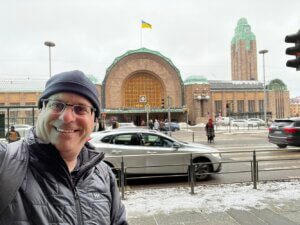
(258,157)
(248,146)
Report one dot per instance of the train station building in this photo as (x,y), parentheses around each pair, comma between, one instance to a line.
(144,83)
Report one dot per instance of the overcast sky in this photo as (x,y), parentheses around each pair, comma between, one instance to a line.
(194,34)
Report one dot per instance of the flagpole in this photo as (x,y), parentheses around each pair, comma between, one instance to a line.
(141,36)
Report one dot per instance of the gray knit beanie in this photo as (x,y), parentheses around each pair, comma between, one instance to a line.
(75,82)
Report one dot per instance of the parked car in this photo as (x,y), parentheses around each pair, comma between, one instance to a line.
(127,125)
(23,129)
(123,125)
(152,152)
(172,126)
(256,122)
(224,121)
(239,123)
(284,132)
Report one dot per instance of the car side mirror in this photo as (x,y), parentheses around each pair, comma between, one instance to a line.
(176,145)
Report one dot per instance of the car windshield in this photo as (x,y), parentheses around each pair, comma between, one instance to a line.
(282,123)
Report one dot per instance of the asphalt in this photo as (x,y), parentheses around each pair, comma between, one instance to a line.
(274,214)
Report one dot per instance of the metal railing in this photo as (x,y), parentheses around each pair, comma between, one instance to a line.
(253,163)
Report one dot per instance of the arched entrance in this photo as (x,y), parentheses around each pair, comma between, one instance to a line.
(141,89)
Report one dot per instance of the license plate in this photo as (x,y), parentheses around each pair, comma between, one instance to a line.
(277,132)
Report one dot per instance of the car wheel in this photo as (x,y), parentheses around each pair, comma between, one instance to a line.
(281,146)
(202,168)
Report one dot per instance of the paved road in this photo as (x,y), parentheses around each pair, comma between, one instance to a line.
(241,145)
(276,213)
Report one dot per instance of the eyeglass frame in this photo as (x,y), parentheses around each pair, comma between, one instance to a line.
(45,103)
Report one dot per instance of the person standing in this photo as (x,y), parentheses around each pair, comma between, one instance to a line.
(156,125)
(53,175)
(12,135)
(151,125)
(210,131)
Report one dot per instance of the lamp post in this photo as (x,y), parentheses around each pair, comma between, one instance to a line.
(49,44)
(263,52)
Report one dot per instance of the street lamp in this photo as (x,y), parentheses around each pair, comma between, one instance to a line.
(49,44)
(263,52)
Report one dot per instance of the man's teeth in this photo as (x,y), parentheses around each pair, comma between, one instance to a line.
(65,131)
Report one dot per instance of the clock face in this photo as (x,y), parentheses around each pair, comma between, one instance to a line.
(143,98)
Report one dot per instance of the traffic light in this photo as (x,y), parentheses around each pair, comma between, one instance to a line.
(293,38)
(163,103)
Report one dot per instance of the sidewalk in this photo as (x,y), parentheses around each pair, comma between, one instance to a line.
(287,214)
(276,203)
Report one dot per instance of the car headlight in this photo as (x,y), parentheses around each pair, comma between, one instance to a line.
(217,155)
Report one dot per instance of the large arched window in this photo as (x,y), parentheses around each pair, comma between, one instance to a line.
(140,86)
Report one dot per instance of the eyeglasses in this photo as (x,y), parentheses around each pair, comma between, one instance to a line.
(58,107)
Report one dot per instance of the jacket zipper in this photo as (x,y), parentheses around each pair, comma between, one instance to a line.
(78,208)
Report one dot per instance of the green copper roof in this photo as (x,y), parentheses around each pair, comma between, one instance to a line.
(277,85)
(196,80)
(141,50)
(135,111)
(243,32)
(92,78)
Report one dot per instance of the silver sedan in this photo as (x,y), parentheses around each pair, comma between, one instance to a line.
(151,152)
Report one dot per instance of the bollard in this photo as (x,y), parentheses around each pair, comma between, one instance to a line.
(193,136)
(254,171)
(192,175)
(122,179)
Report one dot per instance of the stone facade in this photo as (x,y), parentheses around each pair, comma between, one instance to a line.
(113,86)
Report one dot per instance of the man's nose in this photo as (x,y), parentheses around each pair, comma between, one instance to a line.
(67,114)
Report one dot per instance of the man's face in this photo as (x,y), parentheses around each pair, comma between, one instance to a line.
(66,130)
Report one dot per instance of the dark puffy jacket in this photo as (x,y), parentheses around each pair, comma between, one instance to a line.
(49,194)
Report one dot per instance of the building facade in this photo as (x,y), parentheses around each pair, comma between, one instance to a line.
(143,84)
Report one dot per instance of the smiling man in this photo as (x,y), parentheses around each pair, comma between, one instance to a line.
(53,176)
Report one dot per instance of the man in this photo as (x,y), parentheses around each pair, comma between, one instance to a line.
(54,176)
(12,135)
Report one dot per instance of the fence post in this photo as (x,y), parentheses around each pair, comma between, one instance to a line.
(122,179)
(254,170)
(192,175)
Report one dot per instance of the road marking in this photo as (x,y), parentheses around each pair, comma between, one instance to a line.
(248,146)
(258,157)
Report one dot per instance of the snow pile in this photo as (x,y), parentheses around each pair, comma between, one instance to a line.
(211,198)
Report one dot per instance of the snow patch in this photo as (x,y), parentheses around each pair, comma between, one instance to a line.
(210,198)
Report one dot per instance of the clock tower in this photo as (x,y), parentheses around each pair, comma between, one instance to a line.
(243,53)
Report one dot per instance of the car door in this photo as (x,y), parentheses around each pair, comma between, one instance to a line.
(161,155)
(128,146)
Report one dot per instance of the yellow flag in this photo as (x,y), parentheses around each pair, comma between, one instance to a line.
(146,25)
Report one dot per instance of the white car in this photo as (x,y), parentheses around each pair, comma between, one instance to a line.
(224,121)
(152,152)
(23,129)
(256,122)
(239,123)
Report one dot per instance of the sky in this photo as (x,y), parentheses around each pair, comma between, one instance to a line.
(195,34)
(209,198)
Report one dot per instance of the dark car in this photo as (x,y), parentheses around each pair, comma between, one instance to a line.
(284,132)
(171,126)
